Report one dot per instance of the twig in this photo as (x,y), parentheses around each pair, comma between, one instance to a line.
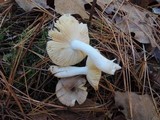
(92,11)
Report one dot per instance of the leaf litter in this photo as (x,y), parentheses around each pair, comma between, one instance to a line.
(33,91)
(132,20)
(136,107)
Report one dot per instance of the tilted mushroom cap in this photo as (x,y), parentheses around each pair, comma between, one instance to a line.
(67,28)
(93,74)
(71,89)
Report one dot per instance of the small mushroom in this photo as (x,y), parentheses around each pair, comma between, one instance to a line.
(92,73)
(70,90)
(70,44)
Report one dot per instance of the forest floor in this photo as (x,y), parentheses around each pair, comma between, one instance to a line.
(27,88)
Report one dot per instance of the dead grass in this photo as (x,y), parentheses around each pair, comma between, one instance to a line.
(27,89)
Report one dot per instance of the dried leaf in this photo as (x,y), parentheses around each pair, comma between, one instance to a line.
(28,5)
(71,7)
(68,7)
(137,107)
(132,20)
(1,1)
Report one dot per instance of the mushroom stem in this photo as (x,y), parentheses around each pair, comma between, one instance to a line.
(62,72)
(104,64)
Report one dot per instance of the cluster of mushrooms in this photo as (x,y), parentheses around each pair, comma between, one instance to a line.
(68,46)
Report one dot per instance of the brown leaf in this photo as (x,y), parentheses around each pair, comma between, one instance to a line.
(68,7)
(132,20)
(137,107)
(71,7)
(28,5)
(1,1)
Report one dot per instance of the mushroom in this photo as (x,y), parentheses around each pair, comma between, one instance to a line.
(70,90)
(59,49)
(92,73)
(69,45)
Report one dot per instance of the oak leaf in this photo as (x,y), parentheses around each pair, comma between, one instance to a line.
(136,107)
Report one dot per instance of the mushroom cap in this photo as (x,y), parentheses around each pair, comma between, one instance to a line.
(93,74)
(67,29)
(69,90)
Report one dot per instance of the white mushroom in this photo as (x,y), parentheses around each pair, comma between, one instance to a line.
(70,90)
(92,73)
(70,44)
(59,49)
